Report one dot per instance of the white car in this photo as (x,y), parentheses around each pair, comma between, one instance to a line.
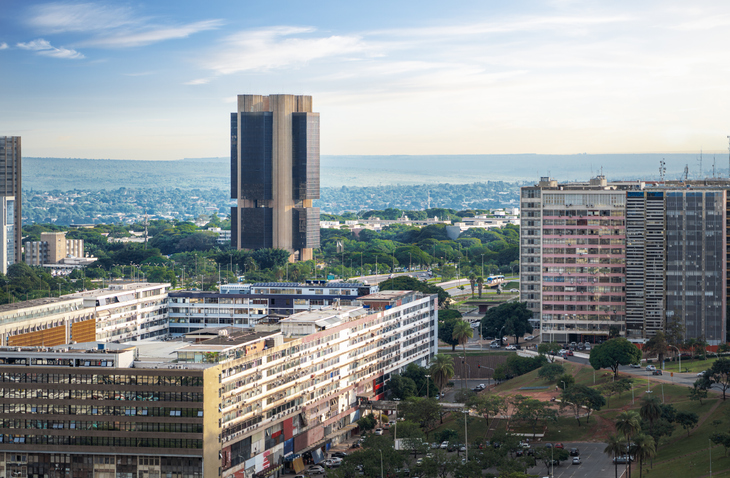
(315,470)
(650,368)
(378,431)
(701,374)
(510,347)
(444,445)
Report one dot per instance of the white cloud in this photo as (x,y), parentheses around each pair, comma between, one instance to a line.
(3,46)
(110,26)
(199,81)
(79,17)
(150,34)
(44,47)
(278,47)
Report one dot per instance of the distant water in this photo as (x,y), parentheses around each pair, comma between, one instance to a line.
(338,171)
(460,169)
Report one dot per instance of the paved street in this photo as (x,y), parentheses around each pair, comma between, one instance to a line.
(595,463)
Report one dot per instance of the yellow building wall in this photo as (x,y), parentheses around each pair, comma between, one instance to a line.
(84,331)
(41,338)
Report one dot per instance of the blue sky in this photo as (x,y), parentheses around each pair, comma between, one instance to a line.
(158,80)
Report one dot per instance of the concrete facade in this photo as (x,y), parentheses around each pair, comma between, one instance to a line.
(275,174)
(10,202)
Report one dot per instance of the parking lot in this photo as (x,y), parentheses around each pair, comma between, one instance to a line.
(595,463)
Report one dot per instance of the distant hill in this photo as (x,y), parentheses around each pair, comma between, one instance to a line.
(338,171)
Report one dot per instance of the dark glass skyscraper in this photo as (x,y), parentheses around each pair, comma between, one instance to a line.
(275,174)
(10,201)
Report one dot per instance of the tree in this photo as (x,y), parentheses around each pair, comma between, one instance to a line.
(462,333)
(651,409)
(367,422)
(628,423)
(513,316)
(721,439)
(487,405)
(615,445)
(719,374)
(658,346)
(532,411)
(442,369)
(696,392)
(424,411)
(644,449)
(564,381)
(546,348)
(613,353)
(480,285)
(688,420)
(582,396)
(547,455)
(447,434)
(472,283)
(411,283)
(551,371)
(401,387)
(411,434)
(446,332)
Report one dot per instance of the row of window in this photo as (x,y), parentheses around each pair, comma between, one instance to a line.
(102,379)
(101,441)
(100,395)
(89,425)
(96,410)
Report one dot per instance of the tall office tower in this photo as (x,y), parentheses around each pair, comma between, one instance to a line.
(275,174)
(645,263)
(10,199)
(572,258)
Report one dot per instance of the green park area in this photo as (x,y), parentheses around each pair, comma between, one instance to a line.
(672,430)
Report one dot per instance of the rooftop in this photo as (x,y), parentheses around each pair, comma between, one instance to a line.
(387,295)
(116,288)
(33,303)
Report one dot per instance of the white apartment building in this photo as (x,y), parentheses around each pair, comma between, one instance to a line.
(128,311)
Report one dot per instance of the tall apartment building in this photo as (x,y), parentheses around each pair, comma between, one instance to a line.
(275,174)
(10,201)
(631,255)
(242,404)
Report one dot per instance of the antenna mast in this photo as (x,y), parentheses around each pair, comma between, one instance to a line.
(700,161)
(662,169)
(686,171)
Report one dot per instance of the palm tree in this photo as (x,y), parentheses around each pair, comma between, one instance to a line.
(480,284)
(442,369)
(629,424)
(651,410)
(472,282)
(644,449)
(462,333)
(615,446)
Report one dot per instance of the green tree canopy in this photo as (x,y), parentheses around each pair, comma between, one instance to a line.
(513,316)
(551,371)
(411,283)
(581,397)
(613,353)
(401,387)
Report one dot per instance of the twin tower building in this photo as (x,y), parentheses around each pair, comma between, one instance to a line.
(275,174)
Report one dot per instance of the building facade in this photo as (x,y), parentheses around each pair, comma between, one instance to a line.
(248,305)
(275,174)
(242,404)
(127,312)
(625,258)
(10,201)
(53,248)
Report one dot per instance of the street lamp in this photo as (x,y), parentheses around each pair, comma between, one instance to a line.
(381,464)
(466,437)
(679,354)
(428,385)
(395,431)
(563,384)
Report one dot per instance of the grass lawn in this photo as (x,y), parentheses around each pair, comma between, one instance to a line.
(693,365)
(566,429)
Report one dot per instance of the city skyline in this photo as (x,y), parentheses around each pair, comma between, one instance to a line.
(526,77)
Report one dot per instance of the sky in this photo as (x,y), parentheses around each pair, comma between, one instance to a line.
(157,80)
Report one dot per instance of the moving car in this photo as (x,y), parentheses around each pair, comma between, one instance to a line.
(559,445)
(510,347)
(656,372)
(635,365)
(378,431)
(650,368)
(494,346)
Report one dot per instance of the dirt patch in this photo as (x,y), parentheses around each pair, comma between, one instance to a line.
(477,366)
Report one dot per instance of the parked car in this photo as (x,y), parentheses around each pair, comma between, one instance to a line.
(650,368)
(622,460)
(315,470)
(656,372)
(701,374)
(419,462)
(444,445)
(513,290)
(434,445)
(574,452)
(569,353)
(510,347)
(482,386)
(576,460)
(338,454)
(333,462)
(378,431)
(494,346)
